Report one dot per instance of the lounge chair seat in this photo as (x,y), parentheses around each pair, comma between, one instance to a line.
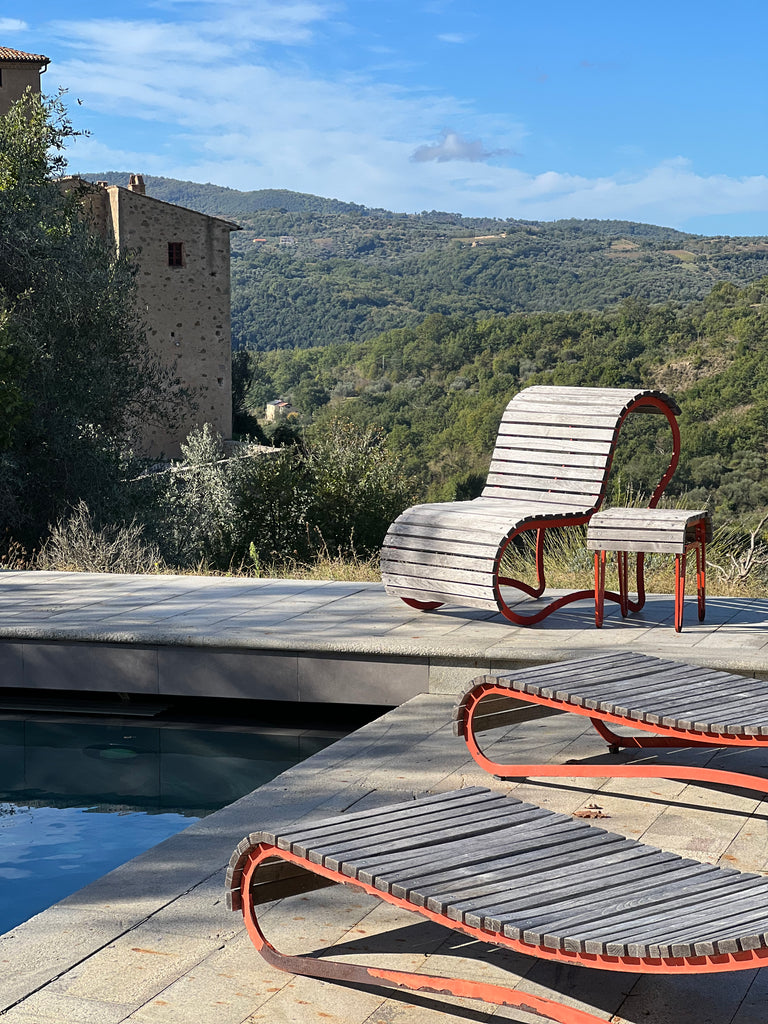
(524,878)
(549,469)
(673,704)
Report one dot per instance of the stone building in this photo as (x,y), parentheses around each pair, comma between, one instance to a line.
(183,289)
(183,281)
(18,72)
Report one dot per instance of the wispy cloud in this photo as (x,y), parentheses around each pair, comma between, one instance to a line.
(13,25)
(181,99)
(453,146)
(453,37)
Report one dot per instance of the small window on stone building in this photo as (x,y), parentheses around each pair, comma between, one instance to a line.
(175,254)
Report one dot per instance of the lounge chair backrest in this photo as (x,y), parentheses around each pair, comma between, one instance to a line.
(556,444)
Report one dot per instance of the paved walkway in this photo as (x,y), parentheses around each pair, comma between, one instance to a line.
(345,621)
(152,942)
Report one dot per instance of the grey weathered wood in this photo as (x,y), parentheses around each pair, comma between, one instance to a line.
(413,810)
(631,529)
(639,688)
(438,570)
(544,877)
(527,872)
(575,430)
(425,542)
(518,453)
(574,446)
(564,503)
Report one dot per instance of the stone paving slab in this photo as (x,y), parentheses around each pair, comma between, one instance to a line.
(152,942)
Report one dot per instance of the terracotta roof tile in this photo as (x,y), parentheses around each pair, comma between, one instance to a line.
(19,55)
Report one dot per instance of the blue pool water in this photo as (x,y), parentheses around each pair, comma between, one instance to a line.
(78,799)
(47,853)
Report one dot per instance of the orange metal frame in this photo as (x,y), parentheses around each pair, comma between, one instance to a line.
(333,970)
(541,525)
(654,736)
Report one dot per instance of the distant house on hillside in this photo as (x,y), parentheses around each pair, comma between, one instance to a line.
(183,281)
(277,409)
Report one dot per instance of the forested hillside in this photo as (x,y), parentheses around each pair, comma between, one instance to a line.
(308,271)
(438,389)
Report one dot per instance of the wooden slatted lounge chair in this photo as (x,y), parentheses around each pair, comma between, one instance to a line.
(672,704)
(530,880)
(549,469)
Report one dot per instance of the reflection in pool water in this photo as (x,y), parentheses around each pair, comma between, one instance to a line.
(77,800)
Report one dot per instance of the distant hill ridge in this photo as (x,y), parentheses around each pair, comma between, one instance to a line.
(227,202)
(309,271)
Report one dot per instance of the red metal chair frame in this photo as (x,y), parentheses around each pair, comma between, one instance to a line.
(333,970)
(654,736)
(548,523)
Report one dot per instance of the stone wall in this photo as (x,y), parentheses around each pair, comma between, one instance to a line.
(184,300)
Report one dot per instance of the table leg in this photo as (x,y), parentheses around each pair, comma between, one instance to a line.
(622,559)
(599,587)
(701,567)
(679,590)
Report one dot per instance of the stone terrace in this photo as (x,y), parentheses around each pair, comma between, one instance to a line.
(152,943)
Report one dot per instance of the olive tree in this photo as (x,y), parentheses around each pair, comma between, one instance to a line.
(73,356)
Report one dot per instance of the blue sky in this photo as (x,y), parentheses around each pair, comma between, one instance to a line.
(654,112)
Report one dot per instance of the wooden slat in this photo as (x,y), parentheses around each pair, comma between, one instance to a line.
(520,427)
(405,542)
(552,502)
(506,467)
(508,438)
(434,565)
(426,531)
(567,483)
(437,574)
(518,453)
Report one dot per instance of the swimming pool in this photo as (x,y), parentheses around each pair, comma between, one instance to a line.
(79,798)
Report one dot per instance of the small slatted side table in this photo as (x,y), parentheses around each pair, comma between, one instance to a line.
(644,530)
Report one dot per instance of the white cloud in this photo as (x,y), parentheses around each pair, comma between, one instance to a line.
(453,147)
(452,37)
(178,99)
(13,25)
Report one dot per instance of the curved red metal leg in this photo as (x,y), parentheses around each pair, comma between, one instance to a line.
(616,742)
(334,970)
(424,606)
(623,565)
(687,773)
(637,605)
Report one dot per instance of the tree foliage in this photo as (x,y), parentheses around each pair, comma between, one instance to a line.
(75,372)
(438,389)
